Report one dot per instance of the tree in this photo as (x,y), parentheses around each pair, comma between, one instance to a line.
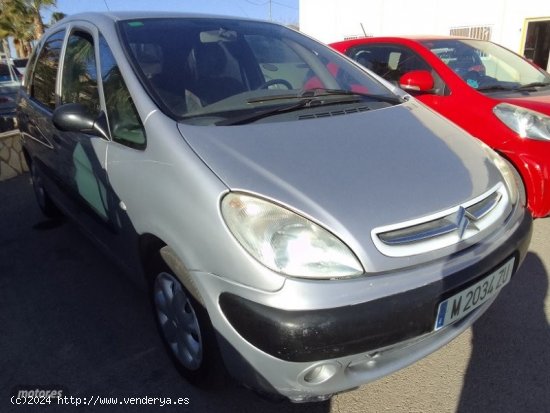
(21,20)
(34,7)
(16,23)
(56,16)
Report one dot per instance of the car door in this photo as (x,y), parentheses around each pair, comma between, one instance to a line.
(89,76)
(70,162)
(67,70)
(36,106)
(82,155)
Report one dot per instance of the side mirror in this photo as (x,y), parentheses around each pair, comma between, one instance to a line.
(417,80)
(75,117)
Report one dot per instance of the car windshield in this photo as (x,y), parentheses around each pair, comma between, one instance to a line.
(221,71)
(486,66)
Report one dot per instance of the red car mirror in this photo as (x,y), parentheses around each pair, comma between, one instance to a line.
(417,80)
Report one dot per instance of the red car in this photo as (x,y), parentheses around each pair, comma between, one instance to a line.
(491,92)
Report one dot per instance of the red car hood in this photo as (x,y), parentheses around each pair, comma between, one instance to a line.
(539,102)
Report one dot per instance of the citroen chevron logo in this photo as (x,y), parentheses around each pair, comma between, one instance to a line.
(464,221)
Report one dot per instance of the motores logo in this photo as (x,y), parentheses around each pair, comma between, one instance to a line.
(26,392)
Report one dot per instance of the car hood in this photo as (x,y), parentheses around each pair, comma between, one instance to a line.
(351,172)
(537,101)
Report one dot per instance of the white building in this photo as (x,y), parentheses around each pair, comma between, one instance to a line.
(520,25)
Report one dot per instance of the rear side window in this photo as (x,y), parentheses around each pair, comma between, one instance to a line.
(45,72)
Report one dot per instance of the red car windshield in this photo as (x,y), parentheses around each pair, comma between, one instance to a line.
(485,65)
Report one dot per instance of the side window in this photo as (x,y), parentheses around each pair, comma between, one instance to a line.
(79,80)
(124,122)
(45,72)
(393,61)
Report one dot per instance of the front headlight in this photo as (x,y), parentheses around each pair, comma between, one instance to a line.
(506,170)
(285,241)
(526,123)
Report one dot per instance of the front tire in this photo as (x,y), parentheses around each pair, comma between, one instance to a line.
(186,329)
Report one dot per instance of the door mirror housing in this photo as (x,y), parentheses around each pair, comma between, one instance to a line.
(417,80)
(75,117)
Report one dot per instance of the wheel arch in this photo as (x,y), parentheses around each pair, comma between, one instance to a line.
(153,251)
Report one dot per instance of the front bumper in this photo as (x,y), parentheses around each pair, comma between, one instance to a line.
(531,159)
(309,355)
(310,335)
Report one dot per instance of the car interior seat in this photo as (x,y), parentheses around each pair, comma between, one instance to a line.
(464,63)
(364,58)
(207,62)
(374,60)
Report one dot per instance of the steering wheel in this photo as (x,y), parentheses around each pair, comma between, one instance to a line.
(271,82)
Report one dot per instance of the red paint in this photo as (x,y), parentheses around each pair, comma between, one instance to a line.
(473,111)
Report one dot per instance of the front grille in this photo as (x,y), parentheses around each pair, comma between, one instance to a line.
(443,229)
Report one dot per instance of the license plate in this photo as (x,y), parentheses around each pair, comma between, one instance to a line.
(457,306)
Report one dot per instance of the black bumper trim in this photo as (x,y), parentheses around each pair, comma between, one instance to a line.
(311,335)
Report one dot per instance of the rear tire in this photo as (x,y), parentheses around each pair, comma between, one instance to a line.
(44,201)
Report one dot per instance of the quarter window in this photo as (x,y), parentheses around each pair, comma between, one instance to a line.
(45,72)
(124,121)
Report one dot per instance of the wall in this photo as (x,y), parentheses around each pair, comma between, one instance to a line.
(330,20)
(12,162)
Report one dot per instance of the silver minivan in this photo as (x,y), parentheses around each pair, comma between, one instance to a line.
(298,220)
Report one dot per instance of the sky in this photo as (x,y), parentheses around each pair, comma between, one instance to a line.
(282,11)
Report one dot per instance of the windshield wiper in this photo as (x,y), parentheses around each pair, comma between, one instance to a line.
(307,98)
(304,102)
(371,96)
(533,85)
(527,86)
(495,87)
(322,92)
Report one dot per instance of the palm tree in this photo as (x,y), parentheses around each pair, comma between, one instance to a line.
(56,16)
(21,20)
(34,7)
(4,31)
(16,23)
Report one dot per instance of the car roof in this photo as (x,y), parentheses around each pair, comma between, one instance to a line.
(397,39)
(99,17)
(105,21)
(427,37)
